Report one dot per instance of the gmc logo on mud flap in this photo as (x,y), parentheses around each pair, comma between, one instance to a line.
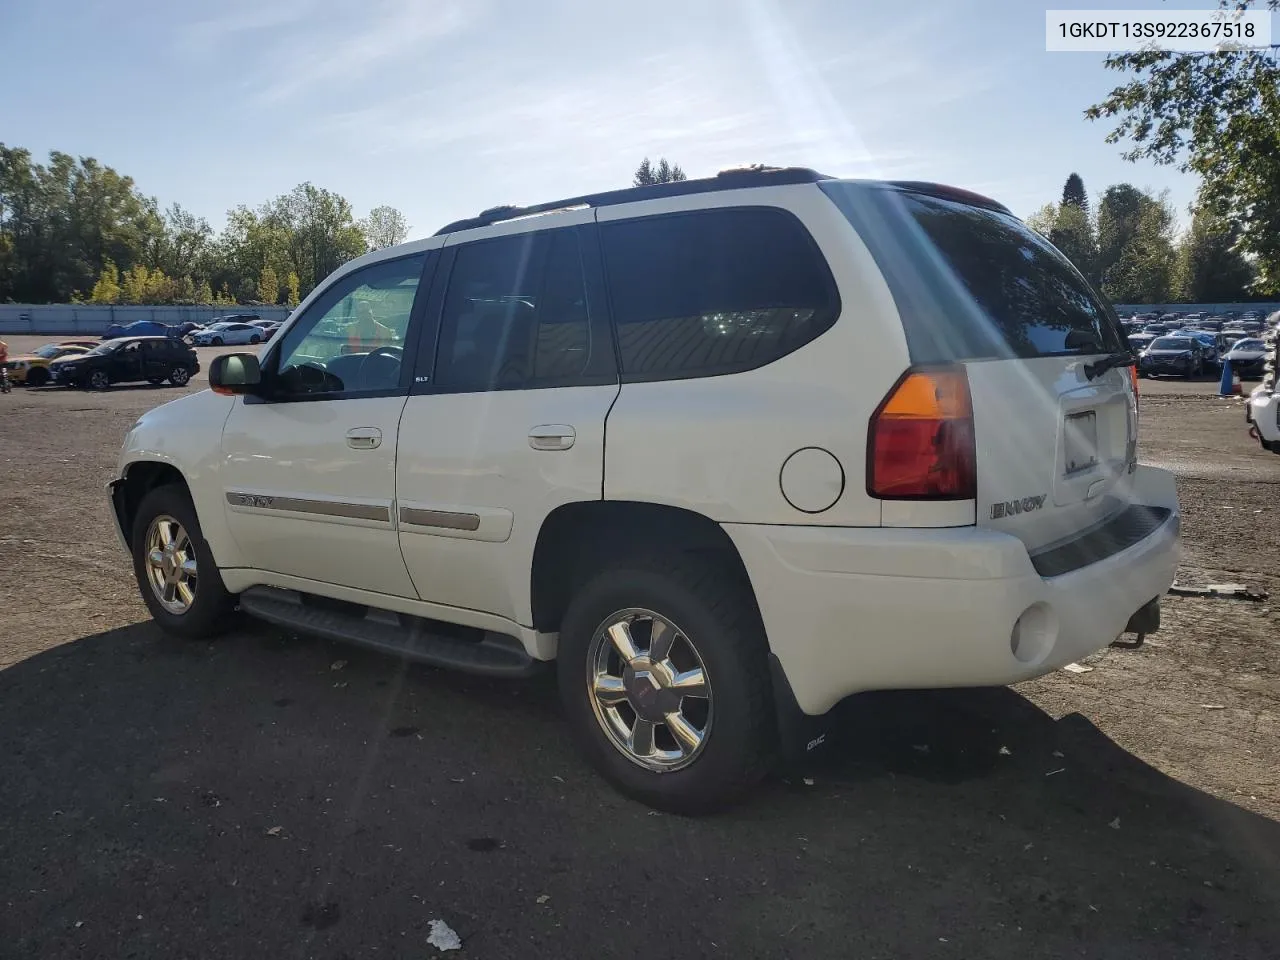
(1011,508)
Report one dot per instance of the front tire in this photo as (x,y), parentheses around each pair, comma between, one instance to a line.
(174,567)
(664,677)
(179,376)
(37,377)
(99,380)
(217,341)
(255,339)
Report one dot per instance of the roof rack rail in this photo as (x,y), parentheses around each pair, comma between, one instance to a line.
(754,176)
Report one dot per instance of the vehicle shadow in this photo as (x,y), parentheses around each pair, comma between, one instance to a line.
(271,794)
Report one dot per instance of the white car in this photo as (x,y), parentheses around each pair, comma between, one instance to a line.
(728,450)
(228,333)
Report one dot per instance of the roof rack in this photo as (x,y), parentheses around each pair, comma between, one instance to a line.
(754,176)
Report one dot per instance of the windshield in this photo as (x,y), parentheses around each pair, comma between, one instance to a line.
(49,351)
(111,346)
(1248,345)
(1171,343)
(1003,289)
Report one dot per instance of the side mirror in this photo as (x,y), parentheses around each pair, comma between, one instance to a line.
(235,373)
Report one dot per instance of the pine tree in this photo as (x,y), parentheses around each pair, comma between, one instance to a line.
(1073,193)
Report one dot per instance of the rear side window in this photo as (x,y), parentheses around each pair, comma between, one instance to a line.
(973,283)
(714,291)
(515,314)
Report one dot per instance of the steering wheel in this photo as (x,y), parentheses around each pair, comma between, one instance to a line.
(395,354)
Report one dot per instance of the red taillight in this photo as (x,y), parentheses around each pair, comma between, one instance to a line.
(920,444)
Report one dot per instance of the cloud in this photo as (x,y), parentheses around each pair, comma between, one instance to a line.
(346,49)
(205,36)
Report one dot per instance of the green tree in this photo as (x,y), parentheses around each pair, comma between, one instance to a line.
(1135,245)
(292,284)
(1072,233)
(662,172)
(204,293)
(107,287)
(1073,193)
(268,285)
(1210,267)
(384,227)
(1217,115)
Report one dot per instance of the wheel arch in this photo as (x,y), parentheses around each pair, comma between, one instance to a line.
(576,538)
(139,478)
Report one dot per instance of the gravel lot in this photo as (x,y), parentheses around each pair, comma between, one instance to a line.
(245,799)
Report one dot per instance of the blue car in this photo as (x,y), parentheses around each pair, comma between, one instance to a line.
(139,328)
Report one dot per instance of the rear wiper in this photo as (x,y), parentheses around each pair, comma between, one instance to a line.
(1099,367)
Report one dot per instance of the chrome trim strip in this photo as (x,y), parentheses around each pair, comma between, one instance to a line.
(444,519)
(322,508)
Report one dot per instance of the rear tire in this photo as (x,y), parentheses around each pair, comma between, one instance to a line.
(715,617)
(209,611)
(155,381)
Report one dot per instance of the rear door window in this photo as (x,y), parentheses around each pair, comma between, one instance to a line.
(714,291)
(975,283)
(515,315)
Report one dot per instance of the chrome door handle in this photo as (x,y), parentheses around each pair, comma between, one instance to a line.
(552,436)
(364,438)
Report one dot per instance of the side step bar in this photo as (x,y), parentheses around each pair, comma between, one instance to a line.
(425,641)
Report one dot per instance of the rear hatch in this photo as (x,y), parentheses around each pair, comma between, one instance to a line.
(1055,436)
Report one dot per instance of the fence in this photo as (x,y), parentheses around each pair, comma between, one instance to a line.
(64,318)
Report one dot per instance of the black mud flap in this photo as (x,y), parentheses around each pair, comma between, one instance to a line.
(799,735)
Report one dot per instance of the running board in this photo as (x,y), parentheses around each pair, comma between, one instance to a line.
(454,647)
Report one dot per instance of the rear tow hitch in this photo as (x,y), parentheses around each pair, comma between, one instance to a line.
(1146,620)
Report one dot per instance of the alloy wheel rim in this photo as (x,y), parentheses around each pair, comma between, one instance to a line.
(649,690)
(171,564)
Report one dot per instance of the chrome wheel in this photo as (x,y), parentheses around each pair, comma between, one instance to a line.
(649,690)
(171,564)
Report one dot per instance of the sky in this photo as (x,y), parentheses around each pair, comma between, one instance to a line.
(442,108)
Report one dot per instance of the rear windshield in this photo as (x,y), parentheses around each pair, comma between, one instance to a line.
(1171,343)
(974,283)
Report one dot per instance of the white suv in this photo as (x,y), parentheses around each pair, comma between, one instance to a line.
(728,450)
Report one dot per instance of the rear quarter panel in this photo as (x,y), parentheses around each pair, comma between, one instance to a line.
(716,445)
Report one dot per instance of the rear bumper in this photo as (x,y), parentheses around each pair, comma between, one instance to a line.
(1263,411)
(855,609)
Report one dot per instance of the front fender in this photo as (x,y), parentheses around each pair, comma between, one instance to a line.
(186,435)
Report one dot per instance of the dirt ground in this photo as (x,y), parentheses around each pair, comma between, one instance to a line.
(245,798)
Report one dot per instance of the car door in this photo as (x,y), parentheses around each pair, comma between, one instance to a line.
(308,466)
(125,364)
(157,359)
(508,423)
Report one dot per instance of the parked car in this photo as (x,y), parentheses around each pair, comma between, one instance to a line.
(32,369)
(128,360)
(232,332)
(1247,357)
(1139,342)
(139,328)
(808,489)
(1181,356)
